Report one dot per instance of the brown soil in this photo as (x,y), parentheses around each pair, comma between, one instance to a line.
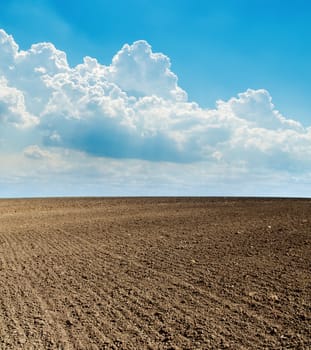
(155,273)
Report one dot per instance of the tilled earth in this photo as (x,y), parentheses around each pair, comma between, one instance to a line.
(155,273)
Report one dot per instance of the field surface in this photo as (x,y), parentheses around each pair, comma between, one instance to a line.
(155,273)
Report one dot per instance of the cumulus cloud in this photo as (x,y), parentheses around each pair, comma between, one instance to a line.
(135,109)
(140,72)
(257,108)
(12,107)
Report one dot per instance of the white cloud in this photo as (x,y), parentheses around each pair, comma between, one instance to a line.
(256,107)
(35,152)
(12,107)
(134,109)
(9,50)
(140,72)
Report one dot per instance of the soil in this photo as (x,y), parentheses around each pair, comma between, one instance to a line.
(155,273)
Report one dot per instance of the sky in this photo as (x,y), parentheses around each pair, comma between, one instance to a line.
(155,98)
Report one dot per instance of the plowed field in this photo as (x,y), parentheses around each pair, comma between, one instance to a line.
(155,273)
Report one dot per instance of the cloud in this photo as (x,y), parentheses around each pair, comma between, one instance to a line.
(35,152)
(256,107)
(12,106)
(140,72)
(134,109)
(9,50)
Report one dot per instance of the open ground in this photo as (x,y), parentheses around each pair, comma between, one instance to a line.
(155,273)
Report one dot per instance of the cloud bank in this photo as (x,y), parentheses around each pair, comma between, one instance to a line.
(132,116)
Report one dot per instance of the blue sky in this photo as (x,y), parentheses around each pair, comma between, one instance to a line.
(163,131)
